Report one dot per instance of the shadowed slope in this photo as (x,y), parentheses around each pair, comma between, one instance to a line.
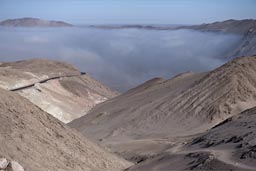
(230,145)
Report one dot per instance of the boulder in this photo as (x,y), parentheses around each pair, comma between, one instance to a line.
(3,163)
(15,166)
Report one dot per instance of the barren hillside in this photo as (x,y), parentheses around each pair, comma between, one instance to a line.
(230,145)
(185,105)
(40,142)
(56,87)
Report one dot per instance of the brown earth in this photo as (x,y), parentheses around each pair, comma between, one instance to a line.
(56,87)
(163,115)
(39,142)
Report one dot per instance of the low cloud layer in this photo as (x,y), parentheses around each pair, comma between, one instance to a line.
(121,59)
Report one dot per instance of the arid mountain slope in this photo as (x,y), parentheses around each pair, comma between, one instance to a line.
(237,133)
(134,114)
(56,87)
(185,105)
(40,142)
(33,22)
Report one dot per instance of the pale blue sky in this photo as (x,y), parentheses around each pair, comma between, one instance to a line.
(130,11)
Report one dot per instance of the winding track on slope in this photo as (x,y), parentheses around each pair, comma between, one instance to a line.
(44,80)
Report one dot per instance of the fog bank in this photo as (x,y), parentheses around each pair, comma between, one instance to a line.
(121,59)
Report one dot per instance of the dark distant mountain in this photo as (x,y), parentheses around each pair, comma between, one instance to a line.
(242,27)
(33,22)
(245,28)
(136,26)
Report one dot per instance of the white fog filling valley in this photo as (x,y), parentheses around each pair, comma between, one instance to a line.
(121,58)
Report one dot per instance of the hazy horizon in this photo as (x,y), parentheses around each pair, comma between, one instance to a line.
(80,12)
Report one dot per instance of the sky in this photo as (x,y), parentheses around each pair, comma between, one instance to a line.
(130,11)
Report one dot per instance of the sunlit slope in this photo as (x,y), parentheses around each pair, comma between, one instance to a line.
(56,87)
(40,142)
(187,104)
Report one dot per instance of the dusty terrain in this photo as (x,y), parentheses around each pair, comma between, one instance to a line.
(229,145)
(162,116)
(56,87)
(39,142)
(33,22)
(185,105)
(194,121)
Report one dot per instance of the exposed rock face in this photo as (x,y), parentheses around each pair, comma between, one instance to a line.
(189,161)
(40,142)
(56,87)
(238,132)
(185,105)
(33,22)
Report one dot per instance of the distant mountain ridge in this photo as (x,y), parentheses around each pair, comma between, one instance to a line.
(228,26)
(244,28)
(33,22)
(136,26)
